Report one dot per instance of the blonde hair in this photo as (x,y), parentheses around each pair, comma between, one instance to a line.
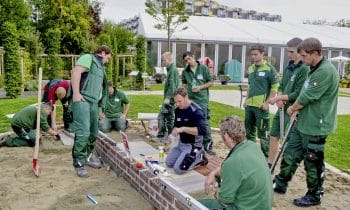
(61,92)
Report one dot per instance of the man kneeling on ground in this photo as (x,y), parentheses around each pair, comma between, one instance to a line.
(190,126)
(244,179)
(24,125)
(117,108)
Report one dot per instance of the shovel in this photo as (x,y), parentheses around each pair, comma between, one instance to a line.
(284,138)
(37,135)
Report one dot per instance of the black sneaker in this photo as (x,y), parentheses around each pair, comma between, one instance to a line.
(306,201)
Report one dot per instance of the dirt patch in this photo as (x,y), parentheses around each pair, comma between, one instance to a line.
(58,187)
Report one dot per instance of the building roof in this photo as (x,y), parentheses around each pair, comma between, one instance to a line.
(215,29)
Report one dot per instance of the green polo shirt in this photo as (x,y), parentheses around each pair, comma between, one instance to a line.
(171,82)
(85,61)
(246,181)
(195,78)
(26,118)
(319,97)
(262,79)
(292,82)
(115,104)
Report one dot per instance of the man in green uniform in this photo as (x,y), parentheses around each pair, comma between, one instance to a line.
(293,79)
(117,108)
(197,79)
(89,86)
(24,125)
(166,115)
(263,84)
(317,107)
(244,179)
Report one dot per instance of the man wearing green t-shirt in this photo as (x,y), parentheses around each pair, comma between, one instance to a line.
(24,125)
(166,116)
(293,79)
(197,80)
(90,90)
(317,107)
(244,180)
(117,108)
(263,84)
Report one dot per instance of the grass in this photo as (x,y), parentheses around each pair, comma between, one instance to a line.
(337,146)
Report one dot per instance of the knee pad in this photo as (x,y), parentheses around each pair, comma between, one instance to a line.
(189,159)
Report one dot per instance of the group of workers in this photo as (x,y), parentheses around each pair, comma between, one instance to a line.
(309,86)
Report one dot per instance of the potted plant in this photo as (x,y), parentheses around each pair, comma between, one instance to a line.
(224,79)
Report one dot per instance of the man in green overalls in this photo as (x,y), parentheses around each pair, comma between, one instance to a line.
(293,79)
(117,108)
(166,115)
(244,179)
(263,84)
(89,86)
(24,125)
(197,79)
(317,107)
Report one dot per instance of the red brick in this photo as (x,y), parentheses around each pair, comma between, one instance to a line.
(180,206)
(168,196)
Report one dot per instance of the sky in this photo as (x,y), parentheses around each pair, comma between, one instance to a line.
(294,11)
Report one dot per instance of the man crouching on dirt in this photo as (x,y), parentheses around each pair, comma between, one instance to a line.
(244,179)
(190,126)
(24,125)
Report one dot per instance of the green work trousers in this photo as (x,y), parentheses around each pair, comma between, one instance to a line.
(107,124)
(25,138)
(85,116)
(207,140)
(257,119)
(310,149)
(166,119)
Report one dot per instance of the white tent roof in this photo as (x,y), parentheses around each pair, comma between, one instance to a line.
(215,29)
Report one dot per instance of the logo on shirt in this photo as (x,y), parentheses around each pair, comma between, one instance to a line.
(116,100)
(292,78)
(306,83)
(200,77)
(261,74)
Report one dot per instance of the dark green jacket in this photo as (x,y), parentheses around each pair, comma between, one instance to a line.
(192,79)
(171,83)
(292,82)
(26,118)
(319,97)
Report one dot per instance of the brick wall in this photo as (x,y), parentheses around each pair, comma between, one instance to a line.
(161,193)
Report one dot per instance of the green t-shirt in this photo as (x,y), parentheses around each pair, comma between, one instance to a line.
(26,118)
(246,181)
(85,61)
(319,97)
(115,104)
(292,82)
(192,79)
(262,79)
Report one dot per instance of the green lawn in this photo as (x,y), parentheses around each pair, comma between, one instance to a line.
(337,146)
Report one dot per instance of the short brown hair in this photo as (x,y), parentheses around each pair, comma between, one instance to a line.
(310,44)
(257,47)
(294,42)
(103,48)
(233,126)
(181,91)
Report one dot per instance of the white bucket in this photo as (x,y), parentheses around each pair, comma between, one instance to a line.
(153,127)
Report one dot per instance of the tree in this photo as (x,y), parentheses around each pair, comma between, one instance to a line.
(53,49)
(169,13)
(35,49)
(13,76)
(140,60)
(18,13)
(94,12)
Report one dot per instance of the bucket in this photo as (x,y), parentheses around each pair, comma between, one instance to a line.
(153,127)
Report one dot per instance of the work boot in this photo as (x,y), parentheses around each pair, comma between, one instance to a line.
(93,164)
(278,189)
(307,200)
(3,140)
(203,162)
(82,172)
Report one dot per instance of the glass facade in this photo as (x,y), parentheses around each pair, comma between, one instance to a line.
(222,57)
(196,50)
